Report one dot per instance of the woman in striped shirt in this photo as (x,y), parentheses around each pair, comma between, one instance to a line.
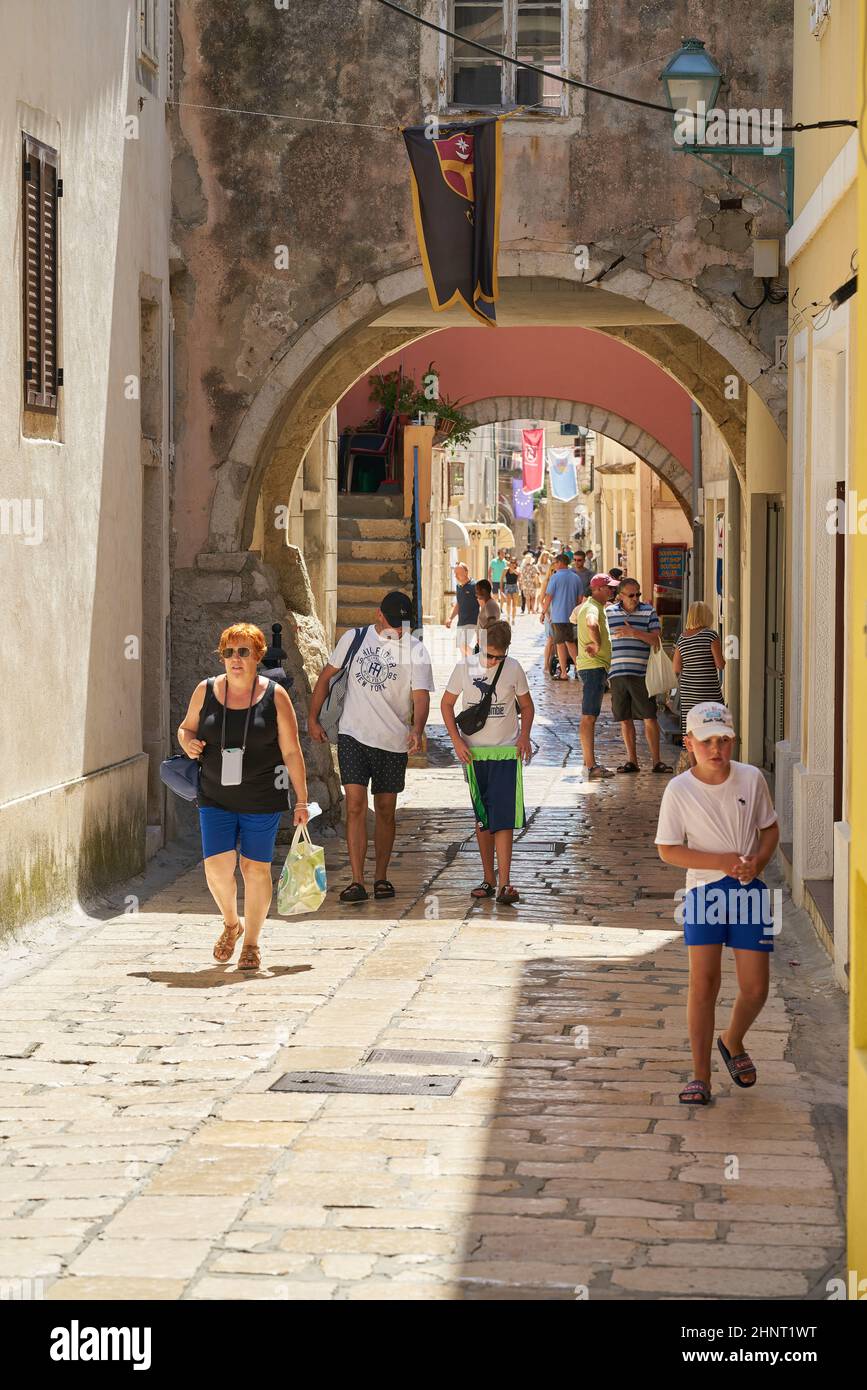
(698,661)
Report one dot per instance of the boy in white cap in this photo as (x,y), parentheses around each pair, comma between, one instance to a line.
(718,822)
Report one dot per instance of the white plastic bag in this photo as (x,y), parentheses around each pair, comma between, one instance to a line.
(660,677)
(303,883)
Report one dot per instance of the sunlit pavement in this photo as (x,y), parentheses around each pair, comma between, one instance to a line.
(144,1155)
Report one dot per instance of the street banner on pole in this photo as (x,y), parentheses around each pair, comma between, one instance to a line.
(533,459)
(561,468)
(456,201)
(522,502)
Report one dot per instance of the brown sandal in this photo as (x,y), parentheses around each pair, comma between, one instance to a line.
(224,946)
(249,958)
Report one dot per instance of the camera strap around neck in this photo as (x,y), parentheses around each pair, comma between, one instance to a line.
(246,721)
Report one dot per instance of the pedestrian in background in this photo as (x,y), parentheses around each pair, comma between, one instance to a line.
(493,756)
(496,571)
(697,661)
(466,610)
(243,729)
(635,629)
(489,611)
(594,658)
(561,597)
(529,579)
(510,588)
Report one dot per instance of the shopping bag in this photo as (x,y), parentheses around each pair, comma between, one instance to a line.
(303,884)
(660,677)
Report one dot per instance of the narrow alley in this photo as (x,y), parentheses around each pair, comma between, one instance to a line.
(145,1154)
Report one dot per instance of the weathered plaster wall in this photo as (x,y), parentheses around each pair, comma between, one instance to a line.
(336,194)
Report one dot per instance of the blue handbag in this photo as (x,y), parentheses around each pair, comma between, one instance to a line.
(181,776)
(180,773)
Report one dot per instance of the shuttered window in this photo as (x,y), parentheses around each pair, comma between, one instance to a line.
(40,192)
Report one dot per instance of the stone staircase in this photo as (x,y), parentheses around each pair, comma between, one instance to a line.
(374,554)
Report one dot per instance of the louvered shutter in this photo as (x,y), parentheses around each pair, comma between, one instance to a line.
(40,189)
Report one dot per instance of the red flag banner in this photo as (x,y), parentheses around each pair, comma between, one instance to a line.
(533,459)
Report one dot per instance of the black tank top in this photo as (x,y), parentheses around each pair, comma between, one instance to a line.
(257,793)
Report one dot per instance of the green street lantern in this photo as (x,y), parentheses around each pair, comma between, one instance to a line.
(692,81)
(690,77)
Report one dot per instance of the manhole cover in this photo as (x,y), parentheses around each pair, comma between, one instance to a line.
(359,1083)
(431,1059)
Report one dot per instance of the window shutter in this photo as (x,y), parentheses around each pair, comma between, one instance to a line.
(40,191)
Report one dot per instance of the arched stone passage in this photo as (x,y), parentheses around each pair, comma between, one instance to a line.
(631,436)
(323,358)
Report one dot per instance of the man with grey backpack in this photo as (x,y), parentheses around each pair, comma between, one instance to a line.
(373,699)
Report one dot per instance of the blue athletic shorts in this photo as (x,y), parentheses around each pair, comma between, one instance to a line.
(496,782)
(729,913)
(224,830)
(593,683)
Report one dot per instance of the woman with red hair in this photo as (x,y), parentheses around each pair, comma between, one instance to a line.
(242,728)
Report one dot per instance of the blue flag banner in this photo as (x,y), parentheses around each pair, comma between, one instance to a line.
(522,502)
(561,471)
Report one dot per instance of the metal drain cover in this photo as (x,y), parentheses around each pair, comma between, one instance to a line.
(360,1083)
(431,1059)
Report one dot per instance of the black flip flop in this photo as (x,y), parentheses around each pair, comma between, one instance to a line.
(355,893)
(734,1070)
(695,1093)
(382,888)
(484,890)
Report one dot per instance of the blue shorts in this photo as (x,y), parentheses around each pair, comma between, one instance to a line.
(496,782)
(225,830)
(593,682)
(729,913)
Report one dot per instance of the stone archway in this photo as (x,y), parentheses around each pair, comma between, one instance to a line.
(631,436)
(322,359)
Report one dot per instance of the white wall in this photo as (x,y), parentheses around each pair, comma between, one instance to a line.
(69,76)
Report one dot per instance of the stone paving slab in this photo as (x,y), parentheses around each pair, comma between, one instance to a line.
(143,1155)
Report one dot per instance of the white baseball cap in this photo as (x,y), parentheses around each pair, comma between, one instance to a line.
(710,720)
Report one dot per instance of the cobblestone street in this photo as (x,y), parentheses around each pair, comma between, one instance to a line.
(145,1156)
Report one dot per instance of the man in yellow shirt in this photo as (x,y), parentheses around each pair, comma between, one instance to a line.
(594,658)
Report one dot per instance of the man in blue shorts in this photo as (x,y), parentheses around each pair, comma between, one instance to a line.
(718,822)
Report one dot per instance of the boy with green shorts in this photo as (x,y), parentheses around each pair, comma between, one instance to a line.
(494,755)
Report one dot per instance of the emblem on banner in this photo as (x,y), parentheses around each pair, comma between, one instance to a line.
(457,164)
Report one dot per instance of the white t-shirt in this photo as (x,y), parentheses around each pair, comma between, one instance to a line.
(501,727)
(385,670)
(715,819)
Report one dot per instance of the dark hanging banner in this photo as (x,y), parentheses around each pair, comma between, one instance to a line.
(456,200)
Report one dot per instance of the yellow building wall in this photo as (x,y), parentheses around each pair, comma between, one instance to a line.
(765,476)
(824,85)
(856,744)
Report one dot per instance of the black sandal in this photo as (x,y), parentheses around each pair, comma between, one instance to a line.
(741,1062)
(508,895)
(630,767)
(661,767)
(484,890)
(382,888)
(695,1093)
(355,893)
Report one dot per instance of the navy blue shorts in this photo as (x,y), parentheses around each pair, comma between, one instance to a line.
(730,913)
(593,682)
(496,782)
(225,830)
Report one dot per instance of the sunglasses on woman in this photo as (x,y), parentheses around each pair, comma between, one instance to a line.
(228,652)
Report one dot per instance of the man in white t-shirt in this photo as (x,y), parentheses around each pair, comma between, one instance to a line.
(494,754)
(385,710)
(718,822)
